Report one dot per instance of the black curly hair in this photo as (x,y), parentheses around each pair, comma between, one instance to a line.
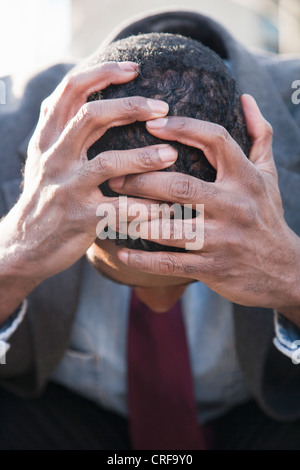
(193,80)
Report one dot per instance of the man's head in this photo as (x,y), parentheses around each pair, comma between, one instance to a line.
(195,82)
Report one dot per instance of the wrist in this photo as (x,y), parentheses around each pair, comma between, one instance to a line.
(288,298)
(18,276)
(16,260)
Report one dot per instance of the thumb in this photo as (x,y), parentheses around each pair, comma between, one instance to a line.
(261,133)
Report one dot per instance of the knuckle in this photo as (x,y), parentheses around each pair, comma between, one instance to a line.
(137,182)
(133,105)
(182,125)
(222,135)
(69,83)
(45,106)
(147,158)
(183,188)
(86,112)
(167,230)
(49,166)
(38,143)
(268,130)
(46,168)
(168,265)
(107,68)
(57,194)
(123,209)
(106,163)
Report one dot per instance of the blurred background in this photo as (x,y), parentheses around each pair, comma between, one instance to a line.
(35,33)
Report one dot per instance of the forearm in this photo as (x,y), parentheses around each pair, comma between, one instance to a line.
(16,278)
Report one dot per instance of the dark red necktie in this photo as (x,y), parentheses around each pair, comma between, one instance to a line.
(162,406)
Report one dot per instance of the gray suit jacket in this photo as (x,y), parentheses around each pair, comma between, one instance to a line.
(40,341)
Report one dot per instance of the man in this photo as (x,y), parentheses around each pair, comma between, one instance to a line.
(241,260)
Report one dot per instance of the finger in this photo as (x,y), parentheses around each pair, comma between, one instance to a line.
(76,87)
(94,118)
(113,211)
(116,163)
(172,187)
(221,150)
(187,234)
(162,263)
(119,212)
(261,134)
(129,209)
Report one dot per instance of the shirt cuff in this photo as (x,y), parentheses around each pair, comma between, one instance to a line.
(287,338)
(9,327)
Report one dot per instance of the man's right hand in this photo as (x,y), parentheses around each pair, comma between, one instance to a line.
(54,222)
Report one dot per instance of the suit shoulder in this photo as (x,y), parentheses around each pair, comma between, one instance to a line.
(282,68)
(20,89)
(19,114)
(284,71)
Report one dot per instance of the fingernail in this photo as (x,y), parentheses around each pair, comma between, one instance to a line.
(123,256)
(167,154)
(157,123)
(129,67)
(117,183)
(159,107)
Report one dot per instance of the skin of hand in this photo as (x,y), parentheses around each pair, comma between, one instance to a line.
(250,255)
(54,221)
